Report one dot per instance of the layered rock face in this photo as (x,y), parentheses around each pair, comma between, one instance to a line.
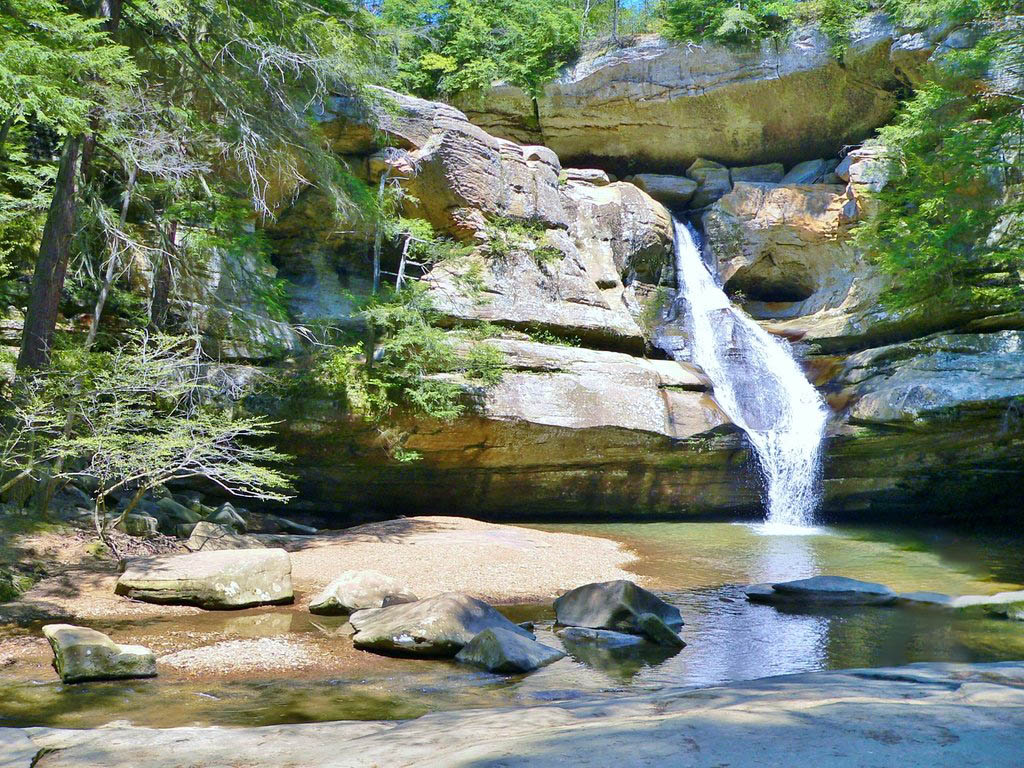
(922,400)
(657,105)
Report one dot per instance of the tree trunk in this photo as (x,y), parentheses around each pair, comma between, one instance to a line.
(615,20)
(52,264)
(161,302)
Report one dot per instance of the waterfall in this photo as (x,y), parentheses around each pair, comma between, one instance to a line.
(757,384)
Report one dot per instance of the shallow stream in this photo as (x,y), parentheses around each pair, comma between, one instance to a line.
(698,566)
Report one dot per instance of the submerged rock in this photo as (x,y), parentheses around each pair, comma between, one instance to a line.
(616,605)
(220,579)
(80,654)
(617,654)
(438,626)
(925,598)
(600,637)
(832,590)
(359,590)
(1014,611)
(657,631)
(498,650)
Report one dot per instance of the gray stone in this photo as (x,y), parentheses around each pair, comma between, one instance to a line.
(80,654)
(593,176)
(226,514)
(673,191)
(755,591)
(831,590)
(713,182)
(601,637)
(657,631)
(438,626)
(358,590)
(220,579)
(208,537)
(807,172)
(176,512)
(139,525)
(771,173)
(498,650)
(615,605)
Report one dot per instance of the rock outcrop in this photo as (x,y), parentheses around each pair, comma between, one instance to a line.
(81,654)
(217,580)
(917,716)
(660,105)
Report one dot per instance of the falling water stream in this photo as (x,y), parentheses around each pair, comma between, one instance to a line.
(757,384)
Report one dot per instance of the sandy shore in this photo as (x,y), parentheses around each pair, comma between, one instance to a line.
(502,564)
(429,555)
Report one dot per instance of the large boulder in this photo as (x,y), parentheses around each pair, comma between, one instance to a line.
(358,590)
(673,191)
(438,626)
(498,650)
(713,181)
(219,579)
(615,605)
(80,654)
(824,590)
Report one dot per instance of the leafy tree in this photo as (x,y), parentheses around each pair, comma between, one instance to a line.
(950,226)
(144,415)
(450,46)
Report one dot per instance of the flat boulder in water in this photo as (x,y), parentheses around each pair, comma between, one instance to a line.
(828,590)
(615,605)
(359,590)
(238,578)
(498,650)
(437,626)
(81,654)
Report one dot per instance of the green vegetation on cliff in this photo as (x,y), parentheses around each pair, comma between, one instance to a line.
(950,224)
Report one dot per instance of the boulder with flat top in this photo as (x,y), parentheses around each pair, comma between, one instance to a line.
(81,654)
(238,578)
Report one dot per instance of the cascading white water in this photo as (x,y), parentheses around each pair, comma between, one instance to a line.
(758,385)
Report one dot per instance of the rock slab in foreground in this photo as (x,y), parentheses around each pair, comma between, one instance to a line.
(359,590)
(615,605)
(81,654)
(221,579)
(498,650)
(819,590)
(918,716)
(438,626)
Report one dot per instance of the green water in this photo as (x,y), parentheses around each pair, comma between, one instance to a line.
(698,566)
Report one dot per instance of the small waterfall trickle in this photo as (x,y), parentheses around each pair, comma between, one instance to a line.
(757,383)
